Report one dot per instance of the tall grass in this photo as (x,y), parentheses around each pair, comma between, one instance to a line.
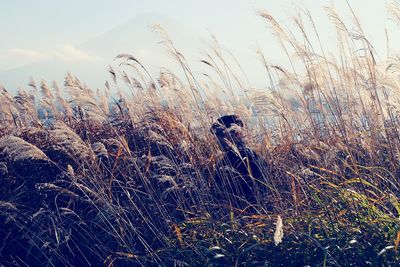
(125,175)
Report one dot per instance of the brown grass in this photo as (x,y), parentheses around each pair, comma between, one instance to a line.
(133,165)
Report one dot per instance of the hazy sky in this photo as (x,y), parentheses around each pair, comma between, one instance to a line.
(37,30)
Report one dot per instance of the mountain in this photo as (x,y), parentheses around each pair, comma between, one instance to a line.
(134,37)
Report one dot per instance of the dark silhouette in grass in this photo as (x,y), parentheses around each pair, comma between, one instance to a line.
(241,174)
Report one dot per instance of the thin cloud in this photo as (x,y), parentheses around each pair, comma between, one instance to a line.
(68,52)
(23,54)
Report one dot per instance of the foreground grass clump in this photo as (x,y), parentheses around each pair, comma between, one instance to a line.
(109,178)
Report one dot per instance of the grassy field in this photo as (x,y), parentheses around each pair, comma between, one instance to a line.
(125,176)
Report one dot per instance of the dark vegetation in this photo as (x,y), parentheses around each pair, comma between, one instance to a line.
(130,182)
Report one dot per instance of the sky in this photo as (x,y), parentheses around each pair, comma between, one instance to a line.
(35,31)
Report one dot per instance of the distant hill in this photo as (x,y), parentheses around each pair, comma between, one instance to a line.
(135,37)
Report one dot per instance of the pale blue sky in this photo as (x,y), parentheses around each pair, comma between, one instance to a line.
(38,30)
